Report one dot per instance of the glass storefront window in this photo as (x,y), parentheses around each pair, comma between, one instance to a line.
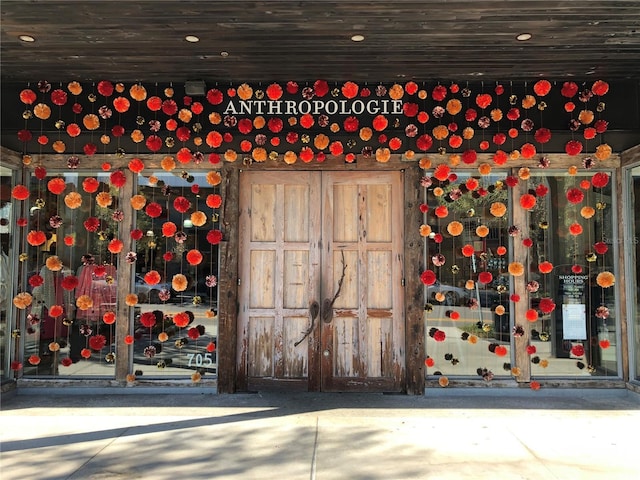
(70,268)
(467,300)
(176,326)
(6,271)
(574,234)
(633,292)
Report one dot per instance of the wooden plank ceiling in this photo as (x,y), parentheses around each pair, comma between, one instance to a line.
(303,41)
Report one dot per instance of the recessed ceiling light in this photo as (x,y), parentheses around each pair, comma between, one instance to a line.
(357,38)
(224,54)
(27,38)
(523,37)
(192,39)
(476,74)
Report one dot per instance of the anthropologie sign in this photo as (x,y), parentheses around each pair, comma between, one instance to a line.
(313,107)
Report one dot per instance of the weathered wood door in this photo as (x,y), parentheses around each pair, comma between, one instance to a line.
(321,272)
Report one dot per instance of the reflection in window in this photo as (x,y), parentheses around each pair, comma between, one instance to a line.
(572,228)
(633,207)
(467,237)
(6,258)
(175,328)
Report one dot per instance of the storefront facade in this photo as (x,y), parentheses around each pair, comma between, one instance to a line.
(320,237)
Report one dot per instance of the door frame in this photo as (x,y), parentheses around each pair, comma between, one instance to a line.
(231,380)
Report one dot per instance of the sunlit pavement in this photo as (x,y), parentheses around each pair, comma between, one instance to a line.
(495,434)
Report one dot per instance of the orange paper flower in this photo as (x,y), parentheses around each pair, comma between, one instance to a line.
(131,299)
(115,246)
(179,282)
(53,263)
(22,300)
(84,302)
(214,178)
(498,209)
(138,202)
(605,279)
(198,218)
(425,230)
(455,228)
(73,200)
(587,212)
(104,199)
(168,164)
(516,269)
(482,231)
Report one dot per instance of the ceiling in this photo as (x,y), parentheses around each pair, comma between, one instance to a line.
(303,41)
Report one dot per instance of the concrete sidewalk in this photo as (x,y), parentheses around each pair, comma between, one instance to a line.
(495,434)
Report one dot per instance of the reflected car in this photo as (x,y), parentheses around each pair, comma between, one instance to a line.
(452,295)
(150,293)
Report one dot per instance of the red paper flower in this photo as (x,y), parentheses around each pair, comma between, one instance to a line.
(20,192)
(439,336)
(542,190)
(547,305)
(105,88)
(69,282)
(528,150)
(320,88)
(36,237)
(85,353)
(97,342)
(181,319)
(148,319)
(153,209)
(306,154)
(292,87)
(600,88)
(531,349)
(152,277)
(527,201)
(601,248)
(469,156)
(577,269)
(117,178)
(439,93)
(468,250)
(542,87)
(153,103)
(194,257)
(91,224)
(527,242)
(136,165)
(589,133)
(470,115)
(214,96)
(429,362)
(424,142)
(214,200)
(601,126)
(115,246)
(275,125)
(36,280)
(542,135)
(28,96)
(573,147)
(577,350)
(55,311)
(569,89)
(56,185)
(575,229)
(181,204)
(214,237)
(350,89)
(441,211)
(575,195)
(153,143)
(351,124)
(122,104)
(169,229)
(66,362)
(515,298)
(600,180)
(274,91)
(24,135)
(545,267)
(472,183)
(410,109)
(485,277)
(379,123)
(531,315)
(136,234)
(428,277)
(336,148)
(455,141)
(167,256)
(500,351)
(483,100)
(169,107)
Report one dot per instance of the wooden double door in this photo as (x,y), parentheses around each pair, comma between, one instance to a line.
(321,271)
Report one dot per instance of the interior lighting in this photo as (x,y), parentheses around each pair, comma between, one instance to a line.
(523,37)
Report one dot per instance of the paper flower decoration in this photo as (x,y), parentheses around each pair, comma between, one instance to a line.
(109,317)
(575,229)
(153,209)
(455,228)
(428,277)
(485,277)
(546,305)
(53,263)
(527,201)
(36,237)
(498,209)
(605,279)
(84,302)
(545,267)
(194,257)
(482,231)
(531,315)
(22,300)
(573,147)
(516,269)
(131,299)
(214,200)
(214,237)
(179,282)
(468,250)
